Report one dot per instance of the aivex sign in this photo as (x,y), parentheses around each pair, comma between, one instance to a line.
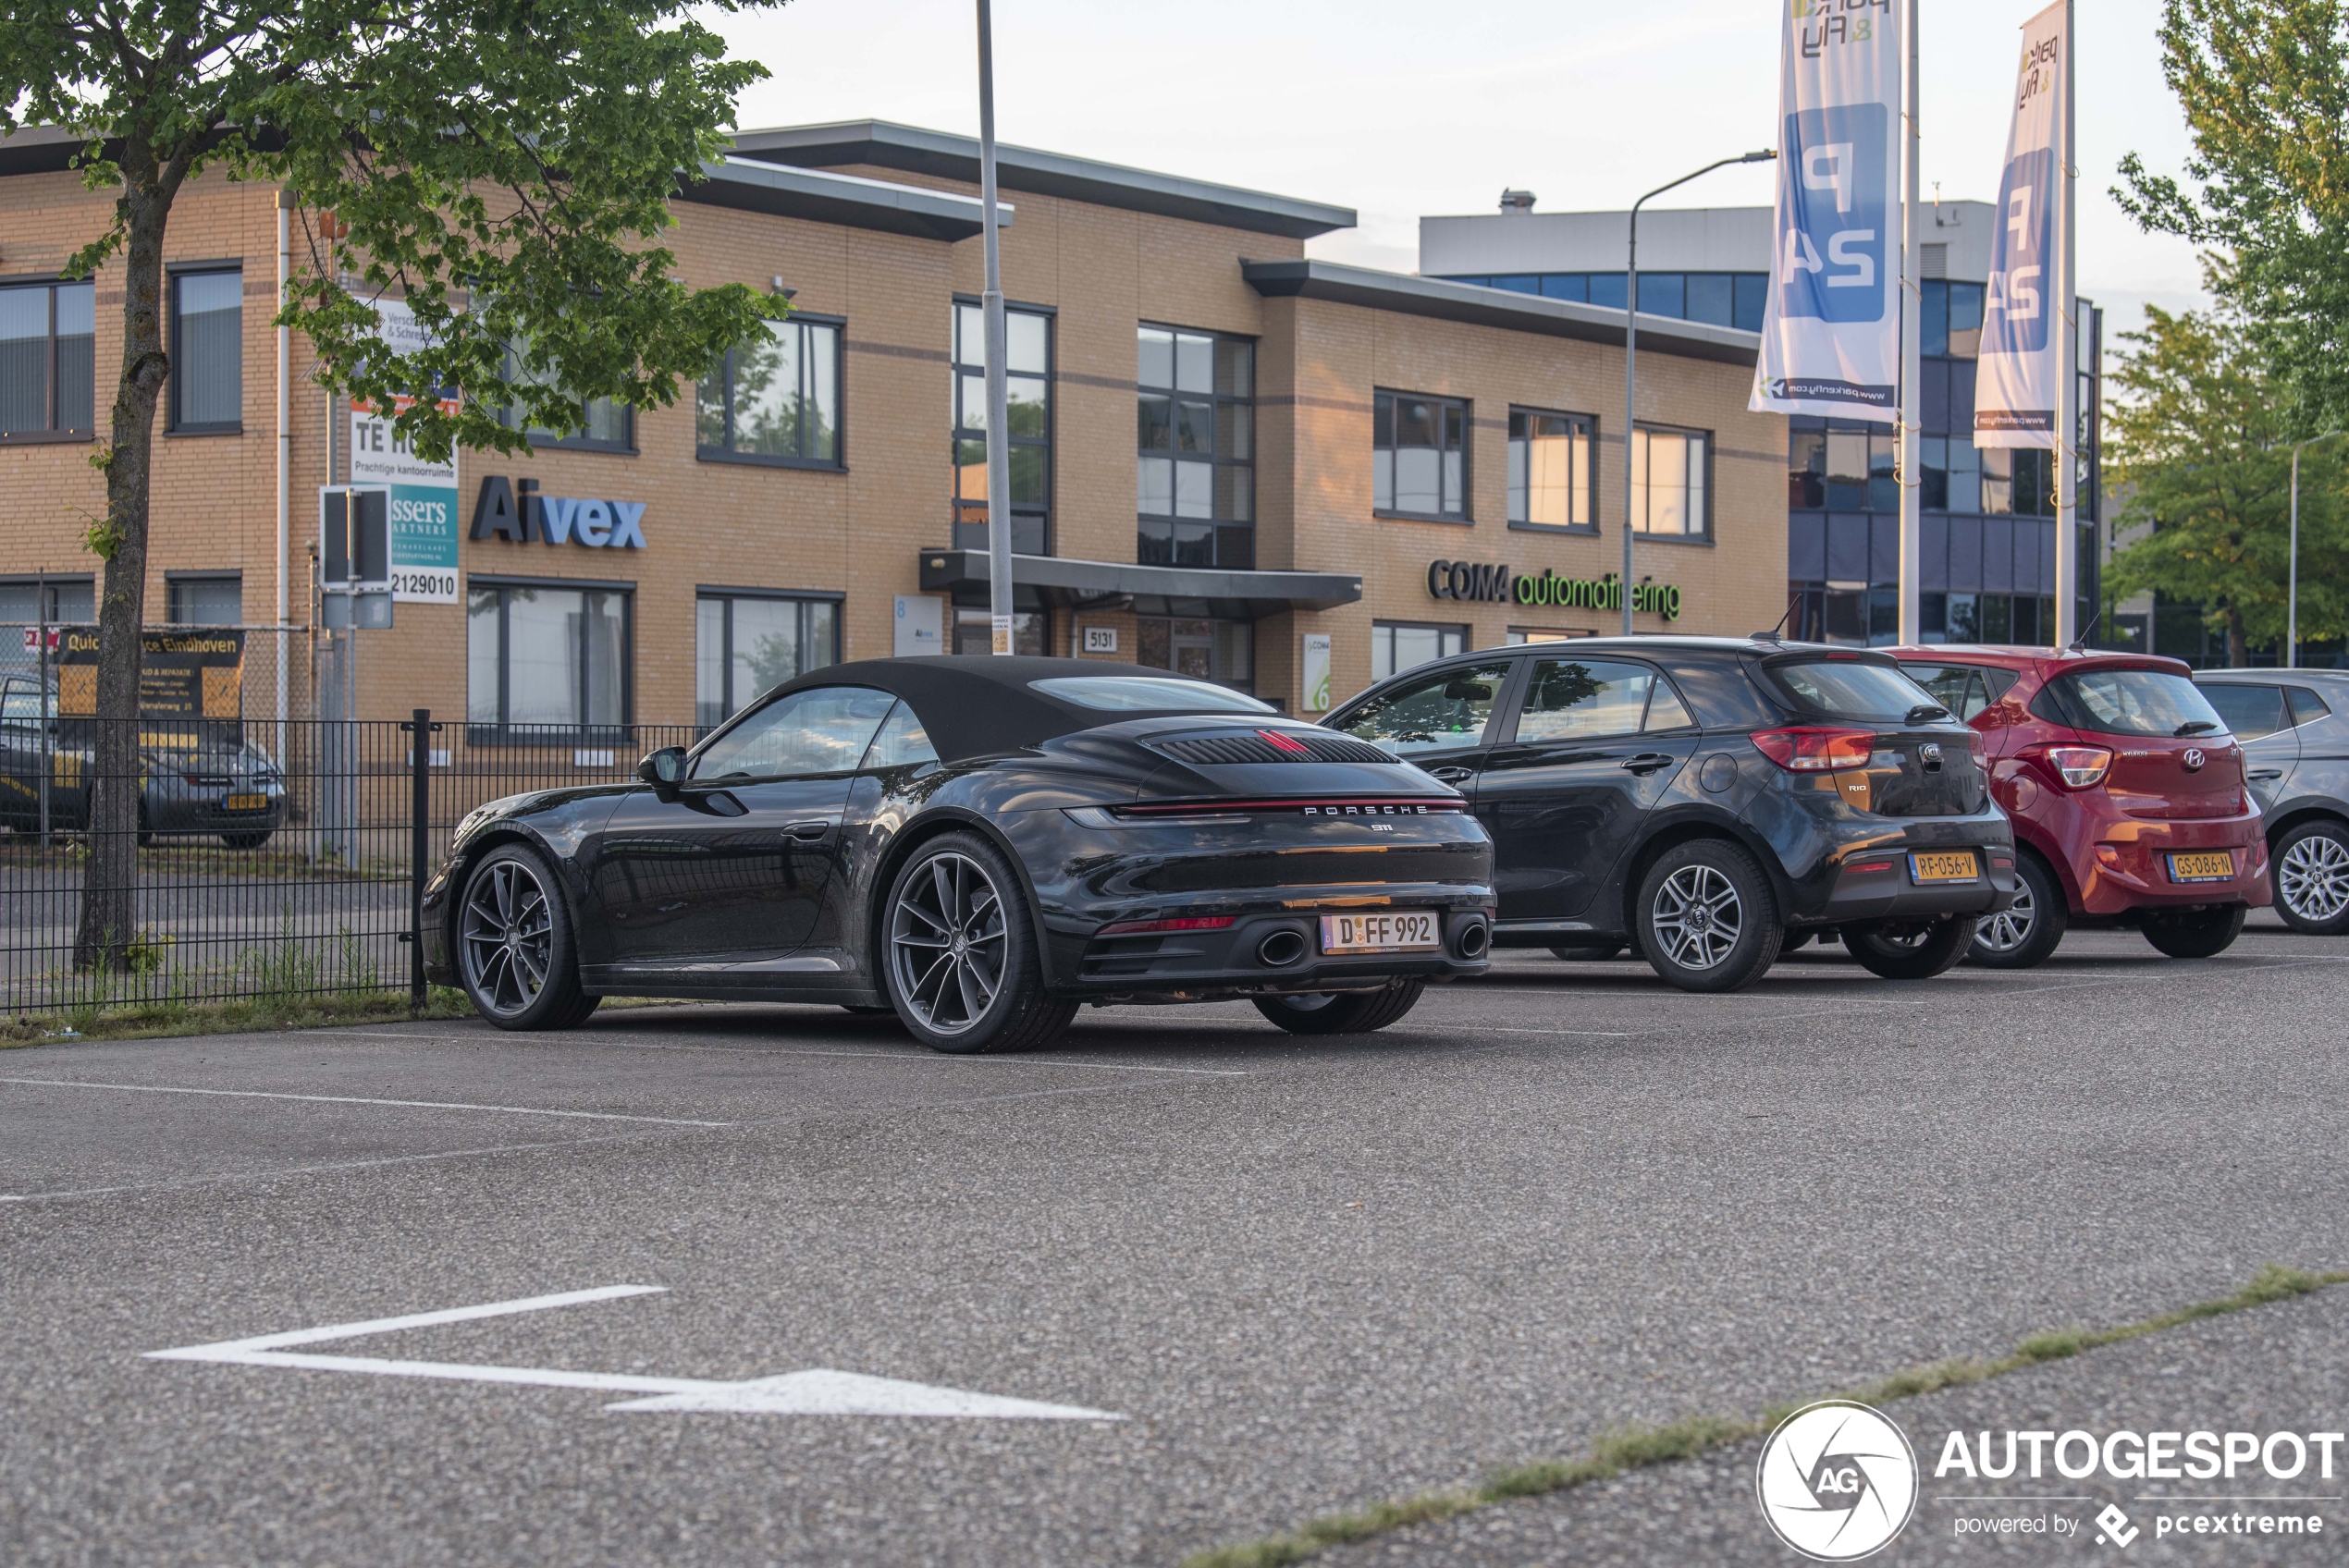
(555,519)
(1500,584)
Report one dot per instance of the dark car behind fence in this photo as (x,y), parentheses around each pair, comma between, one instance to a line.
(275,858)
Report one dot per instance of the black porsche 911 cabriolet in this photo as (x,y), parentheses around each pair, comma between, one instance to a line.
(980,845)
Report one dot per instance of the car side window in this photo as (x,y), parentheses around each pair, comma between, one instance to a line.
(1577,699)
(822,729)
(902,742)
(2307,706)
(1667,711)
(1957,687)
(2251,712)
(1438,712)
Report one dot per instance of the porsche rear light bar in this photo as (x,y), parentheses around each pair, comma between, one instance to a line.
(1185,923)
(1353,807)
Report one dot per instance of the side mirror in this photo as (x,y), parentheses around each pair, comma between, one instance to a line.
(663,769)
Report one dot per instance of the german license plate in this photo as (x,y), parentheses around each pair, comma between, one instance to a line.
(1943,865)
(1403,931)
(2214,865)
(245,803)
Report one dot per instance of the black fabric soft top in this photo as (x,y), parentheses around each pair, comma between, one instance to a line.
(979,706)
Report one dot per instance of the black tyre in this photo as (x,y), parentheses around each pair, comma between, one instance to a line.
(2195,933)
(246,840)
(1910,949)
(515,952)
(2312,877)
(959,952)
(1599,953)
(1342,1013)
(2025,933)
(1707,918)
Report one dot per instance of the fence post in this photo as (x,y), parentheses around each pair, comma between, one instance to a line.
(421,728)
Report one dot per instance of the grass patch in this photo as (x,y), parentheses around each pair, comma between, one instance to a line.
(1634,1447)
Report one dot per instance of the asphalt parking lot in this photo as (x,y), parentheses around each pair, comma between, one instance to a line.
(1299,1275)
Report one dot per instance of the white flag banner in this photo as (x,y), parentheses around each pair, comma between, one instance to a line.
(2018,384)
(1831,327)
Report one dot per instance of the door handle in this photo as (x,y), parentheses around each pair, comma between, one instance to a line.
(1451,774)
(1647,761)
(2267,773)
(807,830)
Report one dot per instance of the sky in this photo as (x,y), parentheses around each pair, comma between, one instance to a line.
(1398,110)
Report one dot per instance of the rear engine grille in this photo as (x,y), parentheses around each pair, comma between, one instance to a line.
(1294,745)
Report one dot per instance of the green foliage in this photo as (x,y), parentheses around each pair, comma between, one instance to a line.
(504,164)
(2198,441)
(2265,88)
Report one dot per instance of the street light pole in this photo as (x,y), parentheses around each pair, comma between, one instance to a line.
(999,450)
(2292,598)
(1632,350)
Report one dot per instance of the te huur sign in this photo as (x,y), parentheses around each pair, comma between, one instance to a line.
(1499,584)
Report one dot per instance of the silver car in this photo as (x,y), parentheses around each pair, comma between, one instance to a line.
(2294,727)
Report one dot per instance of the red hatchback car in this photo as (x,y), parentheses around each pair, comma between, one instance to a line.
(2130,802)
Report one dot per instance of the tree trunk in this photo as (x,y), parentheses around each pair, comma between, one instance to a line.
(109,887)
(2238,646)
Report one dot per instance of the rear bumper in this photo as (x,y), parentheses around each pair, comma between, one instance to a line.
(1855,866)
(1872,885)
(2133,869)
(1233,961)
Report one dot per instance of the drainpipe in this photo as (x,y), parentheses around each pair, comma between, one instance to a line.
(285,457)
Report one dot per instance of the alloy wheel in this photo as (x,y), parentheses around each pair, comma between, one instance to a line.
(2010,927)
(1698,916)
(507,938)
(946,943)
(2313,878)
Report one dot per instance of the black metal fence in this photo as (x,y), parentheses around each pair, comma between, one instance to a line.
(271,859)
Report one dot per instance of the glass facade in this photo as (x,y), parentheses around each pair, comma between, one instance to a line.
(1718,298)
(1195,475)
(1987,538)
(1028,375)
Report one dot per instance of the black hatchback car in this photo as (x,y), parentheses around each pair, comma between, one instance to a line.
(1709,801)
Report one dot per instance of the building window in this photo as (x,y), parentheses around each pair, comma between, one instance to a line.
(1207,650)
(1027,380)
(48,335)
(975,630)
(1718,298)
(216,599)
(1419,457)
(545,663)
(1398,645)
(1949,324)
(1669,495)
(1551,479)
(776,401)
(208,352)
(607,425)
(68,602)
(1195,478)
(745,643)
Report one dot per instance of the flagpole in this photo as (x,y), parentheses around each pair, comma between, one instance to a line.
(2067,431)
(999,452)
(1912,620)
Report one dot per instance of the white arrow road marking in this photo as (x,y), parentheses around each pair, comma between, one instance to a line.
(819,1392)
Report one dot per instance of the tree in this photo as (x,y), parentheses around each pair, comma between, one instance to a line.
(505,165)
(2265,88)
(2199,442)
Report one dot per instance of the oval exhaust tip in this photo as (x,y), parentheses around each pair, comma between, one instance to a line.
(1280,949)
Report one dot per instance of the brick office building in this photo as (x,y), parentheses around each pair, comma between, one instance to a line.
(1219,450)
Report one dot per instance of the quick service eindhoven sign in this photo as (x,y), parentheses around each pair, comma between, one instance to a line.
(1499,584)
(500,513)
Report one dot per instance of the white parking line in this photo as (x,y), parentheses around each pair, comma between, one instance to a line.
(817,1391)
(353,1099)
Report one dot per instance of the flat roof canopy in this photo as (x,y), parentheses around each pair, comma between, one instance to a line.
(1153,589)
